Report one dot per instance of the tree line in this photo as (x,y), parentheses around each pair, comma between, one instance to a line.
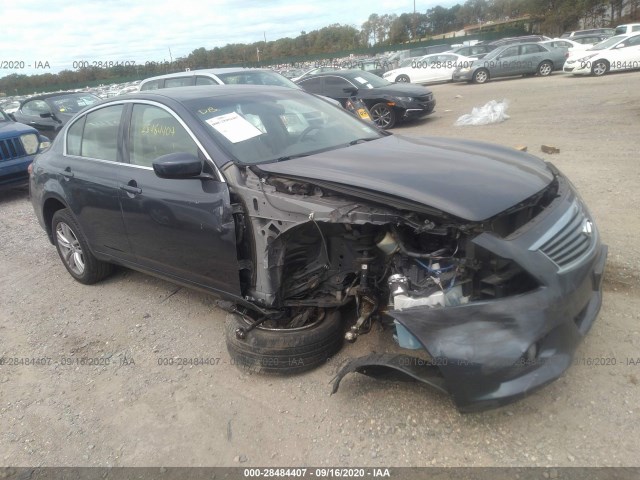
(554,17)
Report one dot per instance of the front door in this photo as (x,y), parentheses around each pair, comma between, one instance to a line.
(181,228)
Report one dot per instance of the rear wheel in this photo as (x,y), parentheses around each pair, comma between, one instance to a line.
(481,76)
(73,249)
(402,79)
(545,69)
(599,67)
(285,350)
(383,115)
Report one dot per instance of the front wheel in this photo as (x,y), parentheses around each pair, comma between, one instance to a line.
(599,68)
(284,350)
(383,115)
(403,79)
(481,76)
(545,69)
(73,249)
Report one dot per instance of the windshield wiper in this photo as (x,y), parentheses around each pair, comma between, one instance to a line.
(362,140)
(289,157)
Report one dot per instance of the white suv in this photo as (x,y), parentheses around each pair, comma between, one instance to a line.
(217,76)
(627,29)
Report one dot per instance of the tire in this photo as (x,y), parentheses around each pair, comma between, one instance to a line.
(284,351)
(481,76)
(383,115)
(599,68)
(403,79)
(74,251)
(544,69)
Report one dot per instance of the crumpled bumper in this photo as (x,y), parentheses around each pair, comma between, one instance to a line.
(492,352)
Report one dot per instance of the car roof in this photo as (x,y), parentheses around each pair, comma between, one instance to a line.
(211,71)
(182,94)
(44,96)
(347,73)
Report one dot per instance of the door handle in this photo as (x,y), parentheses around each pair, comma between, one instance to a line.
(67,172)
(131,187)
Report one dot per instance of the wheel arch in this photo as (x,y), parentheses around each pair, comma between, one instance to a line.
(49,207)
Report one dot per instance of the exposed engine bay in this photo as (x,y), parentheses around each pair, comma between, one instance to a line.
(317,247)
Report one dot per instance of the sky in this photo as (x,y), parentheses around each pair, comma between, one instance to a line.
(49,37)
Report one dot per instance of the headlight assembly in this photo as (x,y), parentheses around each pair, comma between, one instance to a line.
(30,143)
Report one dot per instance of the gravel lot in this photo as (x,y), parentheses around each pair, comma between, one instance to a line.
(135,412)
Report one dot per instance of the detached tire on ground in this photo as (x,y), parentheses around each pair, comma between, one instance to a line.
(284,351)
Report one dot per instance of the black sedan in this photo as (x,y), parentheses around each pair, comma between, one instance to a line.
(48,113)
(388,102)
(481,263)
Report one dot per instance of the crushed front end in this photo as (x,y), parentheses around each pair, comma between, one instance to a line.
(487,311)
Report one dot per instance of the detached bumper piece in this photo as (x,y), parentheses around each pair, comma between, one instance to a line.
(388,366)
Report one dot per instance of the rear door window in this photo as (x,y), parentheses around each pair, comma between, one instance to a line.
(178,82)
(151,85)
(100,134)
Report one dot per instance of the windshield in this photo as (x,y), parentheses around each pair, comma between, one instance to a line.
(369,80)
(609,42)
(72,103)
(270,126)
(256,78)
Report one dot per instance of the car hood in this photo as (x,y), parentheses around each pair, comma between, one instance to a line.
(13,129)
(467,179)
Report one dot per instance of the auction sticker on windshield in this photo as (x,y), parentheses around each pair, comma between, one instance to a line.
(363,82)
(234,127)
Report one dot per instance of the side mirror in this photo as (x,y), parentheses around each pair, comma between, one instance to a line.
(177,165)
(46,115)
(620,45)
(351,91)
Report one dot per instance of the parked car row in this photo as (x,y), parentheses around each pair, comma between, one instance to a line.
(540,58)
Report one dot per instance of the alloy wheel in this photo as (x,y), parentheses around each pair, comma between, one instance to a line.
(70,248)
(381,115)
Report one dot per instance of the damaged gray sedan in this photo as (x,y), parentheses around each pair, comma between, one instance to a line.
(481,264)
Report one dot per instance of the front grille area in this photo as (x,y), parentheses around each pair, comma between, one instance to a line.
(424,98)
(573,235)
(11,148)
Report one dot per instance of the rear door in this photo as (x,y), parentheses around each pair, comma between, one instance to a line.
(505,64)
(180,228)
(90,174)
(530,58)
